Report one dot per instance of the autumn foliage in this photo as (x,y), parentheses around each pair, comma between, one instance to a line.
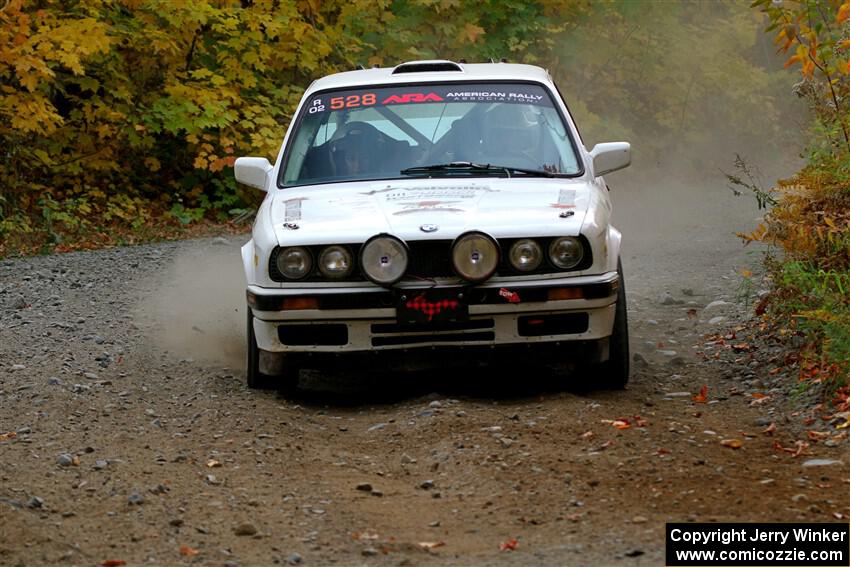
(116,112)
(808,222)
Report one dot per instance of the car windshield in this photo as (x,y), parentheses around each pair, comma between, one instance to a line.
(401,132)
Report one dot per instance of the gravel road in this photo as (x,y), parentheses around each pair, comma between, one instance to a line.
(126,432)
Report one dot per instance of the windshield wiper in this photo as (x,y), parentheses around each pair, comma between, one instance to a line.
(469,167)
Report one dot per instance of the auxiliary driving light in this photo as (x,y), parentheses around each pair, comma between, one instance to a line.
(384,259)
(475,256)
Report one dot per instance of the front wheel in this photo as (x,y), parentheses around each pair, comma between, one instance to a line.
(286,381)
(614,373)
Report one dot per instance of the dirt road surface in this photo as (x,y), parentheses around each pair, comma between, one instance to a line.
(128,434)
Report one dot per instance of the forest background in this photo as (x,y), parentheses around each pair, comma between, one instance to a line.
(120,120)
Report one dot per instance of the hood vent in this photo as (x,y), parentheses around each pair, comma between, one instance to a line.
(437,65)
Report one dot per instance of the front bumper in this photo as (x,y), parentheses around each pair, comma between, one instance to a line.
(359,318)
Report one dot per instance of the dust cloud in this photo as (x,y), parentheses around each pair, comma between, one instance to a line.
(196,308)
(691,85)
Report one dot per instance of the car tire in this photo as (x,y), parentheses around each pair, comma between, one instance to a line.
(286,382)
(614,373)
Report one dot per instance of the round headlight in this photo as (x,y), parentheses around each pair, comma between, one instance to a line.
(566,252)
(294,263)
(475,256)
(335,262)
(525,255)
(384,259)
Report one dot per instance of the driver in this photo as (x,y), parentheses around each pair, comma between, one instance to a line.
(508,135)
(350,154)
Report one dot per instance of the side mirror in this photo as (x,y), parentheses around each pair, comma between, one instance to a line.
(610,156)
(253,171)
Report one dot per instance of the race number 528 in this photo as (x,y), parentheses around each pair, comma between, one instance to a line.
(353,101)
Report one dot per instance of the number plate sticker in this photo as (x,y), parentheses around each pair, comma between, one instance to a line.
(431,306)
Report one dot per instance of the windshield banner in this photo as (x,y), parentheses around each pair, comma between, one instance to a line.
(419,94)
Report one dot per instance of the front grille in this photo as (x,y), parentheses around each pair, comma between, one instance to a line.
(430,259)
(380,300)
(313,335)
(543,325)
(398,340)
(473,324)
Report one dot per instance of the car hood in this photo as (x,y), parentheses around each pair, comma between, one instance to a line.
(423,209)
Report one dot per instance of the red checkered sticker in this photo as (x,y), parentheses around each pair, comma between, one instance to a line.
(431,308)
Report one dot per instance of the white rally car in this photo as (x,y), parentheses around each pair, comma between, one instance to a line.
(429,208)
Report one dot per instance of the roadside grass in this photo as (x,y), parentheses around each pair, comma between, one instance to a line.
(807,229)
(60,237)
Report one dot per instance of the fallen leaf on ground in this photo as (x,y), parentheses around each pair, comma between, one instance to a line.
(509,545)
(640,422)
(663,451)
(732,443)
(7,436)
(798,449)
(212,463)
(817,435)
(702,397)
(187,551)
(587,435)
(364,535)
(758,395)
(574,517)
(770,429)
(618,423)
(431,544)
(606,445)
(112,563)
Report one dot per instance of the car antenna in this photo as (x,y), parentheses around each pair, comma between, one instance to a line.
(360,67)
